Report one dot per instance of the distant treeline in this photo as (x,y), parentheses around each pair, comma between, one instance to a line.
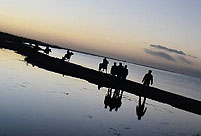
(21,40)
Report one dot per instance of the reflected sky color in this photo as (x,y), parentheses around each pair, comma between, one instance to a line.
(115,28)
(34,101)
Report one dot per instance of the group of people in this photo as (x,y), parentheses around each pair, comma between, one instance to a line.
(113,99)
(119,70)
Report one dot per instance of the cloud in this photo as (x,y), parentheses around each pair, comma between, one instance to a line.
(184,60)
(168,49)
(168,57)
(193,56)
(171,50)
(160,54)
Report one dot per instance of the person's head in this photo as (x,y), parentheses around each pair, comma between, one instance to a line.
(125,66)
(115,63)
(150,71)
(120,64)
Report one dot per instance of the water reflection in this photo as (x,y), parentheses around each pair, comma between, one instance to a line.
(58,66)
(140,108)
(113,99)
(35,102)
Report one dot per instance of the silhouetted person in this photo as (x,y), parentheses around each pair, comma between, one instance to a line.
(103,65)
(117,98)
(148,78)
(114,69)
(125,72)
(115,101)
(108,98)
(140,108)
(105,61)
(120,70)
(47,50)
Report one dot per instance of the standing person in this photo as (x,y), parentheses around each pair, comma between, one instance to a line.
(114,69)
(120,70)
(148,78)
(125,72)
(105,61)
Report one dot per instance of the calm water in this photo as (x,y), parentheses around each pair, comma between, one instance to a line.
(34,102)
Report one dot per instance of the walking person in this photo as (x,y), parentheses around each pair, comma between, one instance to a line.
(148,78)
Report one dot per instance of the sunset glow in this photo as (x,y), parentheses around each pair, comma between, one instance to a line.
(120,29)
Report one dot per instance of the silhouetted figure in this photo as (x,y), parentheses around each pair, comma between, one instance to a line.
(108,98)
(47,50)
(117,96)
(103,65)
(120,70)
(68,55)
(140,108)
(125,72)
(113,101)
(105,61)
(114,69)
(148,78)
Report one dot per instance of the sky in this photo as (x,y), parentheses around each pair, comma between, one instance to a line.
(159,33)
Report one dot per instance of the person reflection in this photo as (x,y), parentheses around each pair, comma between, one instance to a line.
(108,98)
(140,108)
(113,101)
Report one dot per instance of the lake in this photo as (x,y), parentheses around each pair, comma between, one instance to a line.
(34,101)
